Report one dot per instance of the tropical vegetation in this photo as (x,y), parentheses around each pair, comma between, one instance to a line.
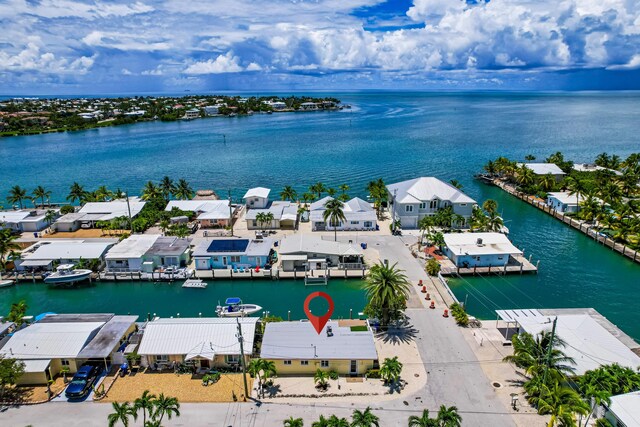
(446,417)
(387,290)
(154,409)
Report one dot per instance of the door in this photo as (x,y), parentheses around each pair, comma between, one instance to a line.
(354,367)
(224,260)
(204,363)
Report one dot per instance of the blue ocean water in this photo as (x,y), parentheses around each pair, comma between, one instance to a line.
(390,135)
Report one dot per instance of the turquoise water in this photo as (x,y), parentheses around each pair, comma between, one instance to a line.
(170,299)
(390,135)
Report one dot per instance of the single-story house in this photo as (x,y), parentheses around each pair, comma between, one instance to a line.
(479,249)
(412,200)
(26,220)
(257,198)
(233,253)
(359,215)
(90,213)
(541,169)
(624,410)
(590,167)
(128,255)
(167,251)
(43,254)
(285,216)
(209,213)
(70,340)
(563,201)
(296,348)
(305,252)
(207,342)
(591,340)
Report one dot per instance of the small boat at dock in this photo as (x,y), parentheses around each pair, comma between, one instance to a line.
(6,283)
(233,307)
(65,274)
(194,283)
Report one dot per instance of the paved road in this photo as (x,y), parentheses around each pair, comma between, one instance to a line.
(454,378)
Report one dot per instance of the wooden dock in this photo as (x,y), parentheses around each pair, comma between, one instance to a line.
(516,265)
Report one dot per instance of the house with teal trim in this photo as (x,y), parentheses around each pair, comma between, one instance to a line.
(233,253)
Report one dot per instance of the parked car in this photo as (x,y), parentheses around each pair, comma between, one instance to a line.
(80,385)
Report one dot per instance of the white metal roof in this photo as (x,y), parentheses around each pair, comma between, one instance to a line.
(281,210)
(588,167)
(565,198)
(13,216)
(195,337)
(355,209)
(427,188)
(68,250)
(207,209)
(469,244)
(588,342)
(50,340)
(257,192)
(134,246)
(543,168)
(109,210)
(36,365)
(299,340)
(626,408)
(307,244)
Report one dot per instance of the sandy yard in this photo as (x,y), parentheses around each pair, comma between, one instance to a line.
(183,387)
(34,393)
(86,234)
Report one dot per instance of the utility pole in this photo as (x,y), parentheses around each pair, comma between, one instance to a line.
(553,335)
(126,195)
(393,211)
(244,367)
(230,214)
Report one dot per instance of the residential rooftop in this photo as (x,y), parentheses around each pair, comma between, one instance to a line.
(480,244)
(427,188)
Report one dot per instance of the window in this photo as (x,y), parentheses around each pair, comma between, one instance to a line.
(304,362)
(423,205)
(433,204)
(368,224)
(408,208)
(324,363)
(231,359)
(215,258)
(463,204)
(162,358)
(235,258)
(64,362)
(355,222)
(286,362)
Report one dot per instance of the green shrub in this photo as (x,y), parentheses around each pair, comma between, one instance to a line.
(333,375)
(458,313)
(433,267)
(372,373)
(67,209)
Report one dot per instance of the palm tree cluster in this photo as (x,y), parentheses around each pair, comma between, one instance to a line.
(387,290)
(446,417)
(359,418)
(262,370)
(390,370)
(167,189)
(8,247)
(154,409)
(18,195)
(378,193)
(487,217)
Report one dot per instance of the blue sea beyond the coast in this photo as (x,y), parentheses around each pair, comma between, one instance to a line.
(395,136)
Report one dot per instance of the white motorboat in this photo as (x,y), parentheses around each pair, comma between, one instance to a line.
(66,274)
(6,283)
(194,283)
(233,307)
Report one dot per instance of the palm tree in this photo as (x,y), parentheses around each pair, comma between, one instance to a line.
(16,195)
(334,421)
(164,225)
(322,422)
(293,422)
(334,214)
(562,403)
(318,188)
(17,312)
(547,182)
(320,378)
(495,222)
(422,420)
(575,186)
(331,192)
(183,190)
(288,193)
(490,205)
(529,157)
(525,176)
(121,413)
(150,191)
(166,405)
(261,369)
(308,198)
(449,417)
(344,188)
(41,193)
(534,355)
(456,184)
(7,243)
(146,403)
(167,187)
(364,418)
(102,193)
(378,193)
(387,290)
(390,370)
(76,193)
(50,216)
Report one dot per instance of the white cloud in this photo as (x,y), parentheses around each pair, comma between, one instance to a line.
(123,41)
(32,58)
(227,63)
(633,64)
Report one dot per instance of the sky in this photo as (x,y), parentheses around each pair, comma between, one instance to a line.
(80,46)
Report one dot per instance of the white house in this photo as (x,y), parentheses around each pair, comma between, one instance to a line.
(589,167)
(304,252)
(26,220)
(209,213)
(563,201)
(128,255)
(257,198)
(308,106)
(479,249)
(212,110)
(545,169)
(624,410)
(359,215)
(207,342)
(90,213)
(232,253)
(43,254)
(414,199)
(285,216)
(192,113)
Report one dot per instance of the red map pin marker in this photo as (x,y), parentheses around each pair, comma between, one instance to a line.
(318,322)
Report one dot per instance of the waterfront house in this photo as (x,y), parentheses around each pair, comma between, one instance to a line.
(468,250)
(233,253)
(90,213)
(545,169)
(277,105)
(209,213)
(299,252)
(623,410)
(191,114)
(591,340)
(213,110)
(308,106)
(128,255)
(68,340)
(412,200)
(46,253)
(285,216)
(26,220)
(359,215)
(563,201)
(297,349)
(205,342)
(257,198)
(167,251)
(590,167)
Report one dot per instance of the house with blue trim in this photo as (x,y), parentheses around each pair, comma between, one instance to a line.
(470,250)
(232,253)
